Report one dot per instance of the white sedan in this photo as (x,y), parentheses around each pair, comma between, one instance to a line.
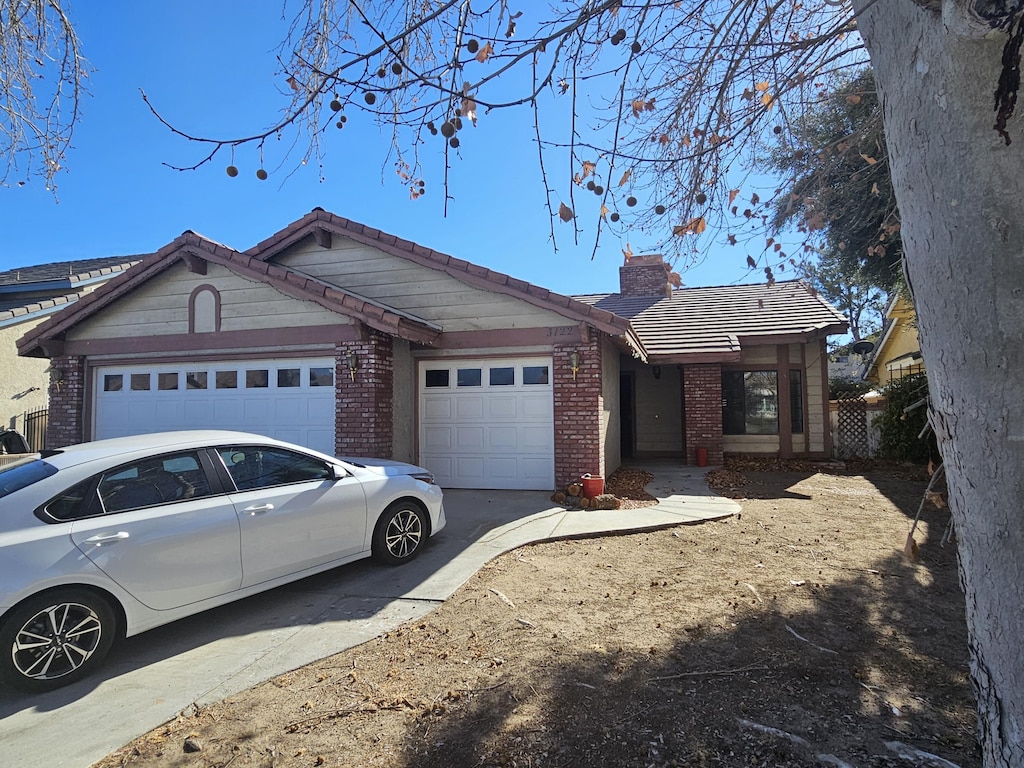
(111,538)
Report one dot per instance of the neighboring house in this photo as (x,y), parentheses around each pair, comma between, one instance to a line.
(28,295)
(355,342)
(898,352)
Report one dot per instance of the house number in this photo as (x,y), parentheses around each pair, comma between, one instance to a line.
(561,331)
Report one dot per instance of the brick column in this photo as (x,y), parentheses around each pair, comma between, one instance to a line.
(578,404)
(364,409)
(702,399)
(66,420)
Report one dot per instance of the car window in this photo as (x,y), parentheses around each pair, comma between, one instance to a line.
(258,466)
(158,480)
(21,474)
(75,503)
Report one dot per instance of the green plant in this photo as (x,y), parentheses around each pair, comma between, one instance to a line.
(900,428)
(841,388)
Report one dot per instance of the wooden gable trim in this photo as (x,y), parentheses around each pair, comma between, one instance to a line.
(196,264)
(322,237)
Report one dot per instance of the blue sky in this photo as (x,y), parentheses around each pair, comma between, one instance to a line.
(210,68)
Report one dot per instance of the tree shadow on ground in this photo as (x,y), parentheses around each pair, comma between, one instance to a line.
(845,658)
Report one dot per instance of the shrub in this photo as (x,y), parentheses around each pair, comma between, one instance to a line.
(899,430)
(841,388)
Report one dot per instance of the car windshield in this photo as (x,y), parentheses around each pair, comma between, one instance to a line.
(14,477)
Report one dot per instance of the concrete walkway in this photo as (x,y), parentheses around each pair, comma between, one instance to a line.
(152,677)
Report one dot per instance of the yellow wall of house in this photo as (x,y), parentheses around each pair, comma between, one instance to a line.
(901,340)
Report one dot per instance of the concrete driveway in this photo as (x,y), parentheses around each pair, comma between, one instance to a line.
(150,678)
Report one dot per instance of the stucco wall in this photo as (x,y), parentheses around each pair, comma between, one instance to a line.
(405,398)
(611,427)
(18,376)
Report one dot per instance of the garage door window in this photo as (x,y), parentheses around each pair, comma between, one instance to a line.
(437,378)
(535,374)
(321,377)
(227,379)
(502,377)
(195,380)
(113,382)
(469,377)
(259,379)
(166,381)
(288,377)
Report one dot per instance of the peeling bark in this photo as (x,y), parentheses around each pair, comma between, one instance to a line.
(960,191)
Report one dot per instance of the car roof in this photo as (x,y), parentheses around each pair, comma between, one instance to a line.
(153,442)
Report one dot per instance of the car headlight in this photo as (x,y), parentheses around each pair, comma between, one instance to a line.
(426,477)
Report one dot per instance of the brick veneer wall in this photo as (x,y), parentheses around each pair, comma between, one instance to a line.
(364,410)
(644,276)
(578,403)
(702,400)
(66,421)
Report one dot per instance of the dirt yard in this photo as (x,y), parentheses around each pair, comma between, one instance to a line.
(795,634)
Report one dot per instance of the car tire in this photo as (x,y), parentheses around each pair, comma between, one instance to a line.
(55,638)
(400,534)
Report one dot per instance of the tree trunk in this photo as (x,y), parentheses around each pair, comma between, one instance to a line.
(960,191)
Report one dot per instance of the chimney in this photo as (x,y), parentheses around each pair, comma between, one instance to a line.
(644,276)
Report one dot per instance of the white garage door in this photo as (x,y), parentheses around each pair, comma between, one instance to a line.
(291,400)
(487,423)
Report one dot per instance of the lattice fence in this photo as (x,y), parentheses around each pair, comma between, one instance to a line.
(851,438)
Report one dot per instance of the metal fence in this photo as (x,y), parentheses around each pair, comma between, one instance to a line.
(35,428)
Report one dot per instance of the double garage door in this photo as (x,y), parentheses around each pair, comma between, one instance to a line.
(487,423)
(291,400)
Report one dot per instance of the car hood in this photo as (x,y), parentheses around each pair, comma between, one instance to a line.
(386,467)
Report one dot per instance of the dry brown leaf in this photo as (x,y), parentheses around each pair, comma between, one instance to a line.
(565,212)
(485,52)
(732,195)
(732,239)
(293,83)
(604,211)
(937,498)
(627,252)
(750,262)
(675,280)
(762,86)
(910,549)
(694,226)
(625,177)
(867,159)
(664,139)
(853,98)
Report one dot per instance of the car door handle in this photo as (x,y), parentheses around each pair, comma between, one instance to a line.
(105,538)
(259,509)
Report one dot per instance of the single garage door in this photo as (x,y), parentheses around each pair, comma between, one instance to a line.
(291,400)
(488,423)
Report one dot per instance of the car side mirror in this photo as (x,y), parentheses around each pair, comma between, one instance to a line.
(338,473)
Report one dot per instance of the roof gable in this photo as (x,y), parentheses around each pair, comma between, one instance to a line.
(195,251)
(323,226)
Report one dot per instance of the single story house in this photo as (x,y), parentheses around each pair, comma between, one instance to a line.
(29,295)
(355,342)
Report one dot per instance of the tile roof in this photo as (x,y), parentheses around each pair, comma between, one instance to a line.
(69,271)
(713,323)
